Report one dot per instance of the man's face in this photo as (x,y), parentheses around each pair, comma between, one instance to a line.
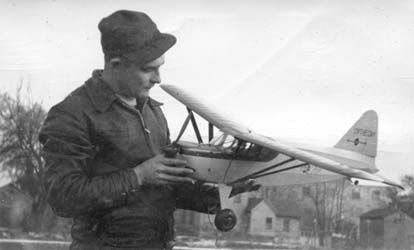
(136,81)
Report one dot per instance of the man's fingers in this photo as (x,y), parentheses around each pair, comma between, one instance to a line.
(173,162)
(177,171)
(171,179)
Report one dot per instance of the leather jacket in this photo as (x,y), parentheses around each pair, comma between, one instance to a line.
(91,141)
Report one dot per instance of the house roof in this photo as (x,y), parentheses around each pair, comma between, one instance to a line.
(281,208)
(378,213)
(252,203)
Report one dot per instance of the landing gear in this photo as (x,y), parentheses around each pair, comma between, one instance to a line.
(225,220)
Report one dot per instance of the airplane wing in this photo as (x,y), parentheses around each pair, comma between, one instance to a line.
(237,130)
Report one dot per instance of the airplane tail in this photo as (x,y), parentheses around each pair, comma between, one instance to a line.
(362,136)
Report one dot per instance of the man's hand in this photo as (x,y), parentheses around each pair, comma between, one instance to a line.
(161,170)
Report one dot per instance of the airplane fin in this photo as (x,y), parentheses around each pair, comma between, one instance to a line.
(362,136)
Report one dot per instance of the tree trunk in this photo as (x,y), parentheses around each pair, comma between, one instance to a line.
(321,239)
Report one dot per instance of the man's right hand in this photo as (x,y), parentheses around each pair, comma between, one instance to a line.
(161,170)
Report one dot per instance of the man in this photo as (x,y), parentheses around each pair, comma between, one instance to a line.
(103,147)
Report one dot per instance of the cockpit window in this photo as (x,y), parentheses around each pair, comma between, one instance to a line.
(242,150)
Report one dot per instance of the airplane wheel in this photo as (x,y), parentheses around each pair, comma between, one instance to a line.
(225,220)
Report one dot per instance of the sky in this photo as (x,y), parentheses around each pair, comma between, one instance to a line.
(299,70)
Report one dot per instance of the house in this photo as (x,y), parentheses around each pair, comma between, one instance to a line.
(347,202)
(386,228)
(14,206)
(273,219)
(406,204)
(360,199)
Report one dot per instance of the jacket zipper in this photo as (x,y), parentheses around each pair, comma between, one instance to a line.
(147,132)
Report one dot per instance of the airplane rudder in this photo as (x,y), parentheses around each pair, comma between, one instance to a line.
(362,136)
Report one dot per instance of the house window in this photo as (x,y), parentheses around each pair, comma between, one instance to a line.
(305,191)
(355,195)
(191,219)
(182,216)
(269,223)
(376,194)
(286,225)
(267,193)
(237,199)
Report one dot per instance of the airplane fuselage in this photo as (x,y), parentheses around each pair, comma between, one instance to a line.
(221,165)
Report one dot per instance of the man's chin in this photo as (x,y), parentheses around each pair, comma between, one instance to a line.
(143,95)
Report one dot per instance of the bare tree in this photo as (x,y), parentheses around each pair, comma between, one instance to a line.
(408,183)
(327,199)
(20,123)
(404,200)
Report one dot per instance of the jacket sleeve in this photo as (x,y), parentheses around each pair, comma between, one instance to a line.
(200,197)
(67,150)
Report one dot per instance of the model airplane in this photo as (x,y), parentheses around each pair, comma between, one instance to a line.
(239,155)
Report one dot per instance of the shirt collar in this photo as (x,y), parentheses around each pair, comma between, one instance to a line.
(131,102)
(102,95)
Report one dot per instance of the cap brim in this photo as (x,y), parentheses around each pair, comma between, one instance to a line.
(156,49)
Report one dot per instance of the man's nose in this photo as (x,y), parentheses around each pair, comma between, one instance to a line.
(156,77)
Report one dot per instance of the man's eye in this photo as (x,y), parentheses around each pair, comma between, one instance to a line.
(147,69)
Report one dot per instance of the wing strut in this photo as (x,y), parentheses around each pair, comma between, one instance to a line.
(210,131)
(261,173)
(281,170)
(194,122)
(185,124)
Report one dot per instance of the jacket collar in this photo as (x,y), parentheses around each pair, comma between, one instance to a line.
(102,95)
(154,103)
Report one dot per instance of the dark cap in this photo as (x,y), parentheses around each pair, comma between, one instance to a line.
(133,35)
